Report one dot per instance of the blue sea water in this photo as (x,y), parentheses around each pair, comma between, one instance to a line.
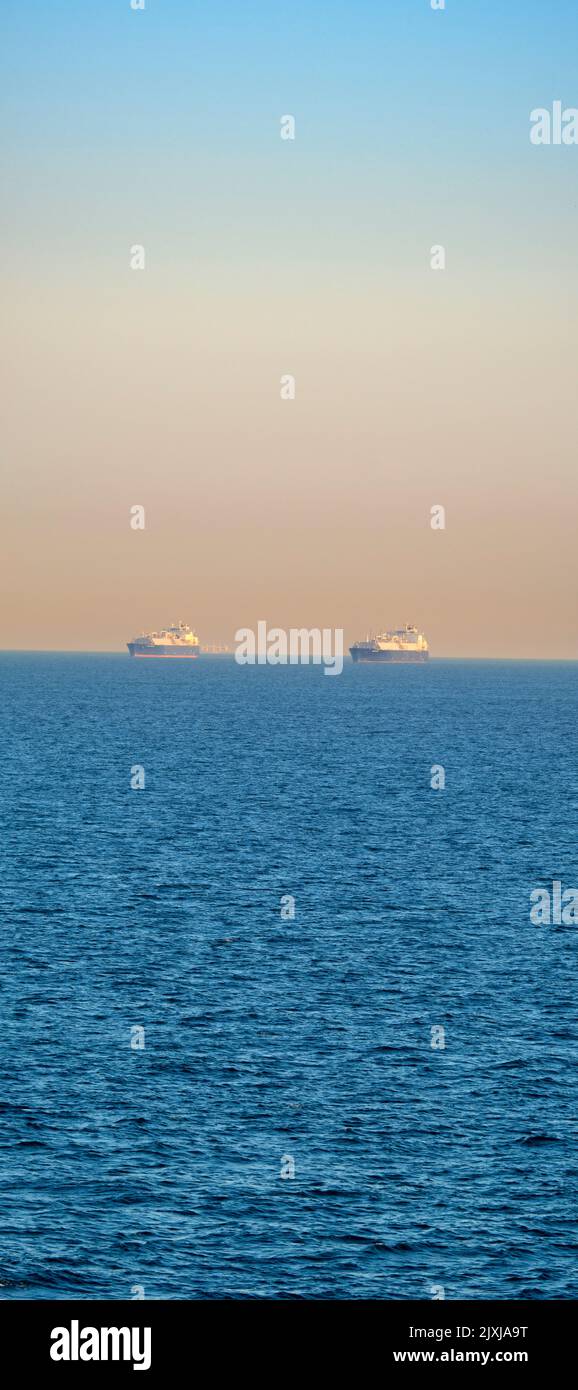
(272,1042)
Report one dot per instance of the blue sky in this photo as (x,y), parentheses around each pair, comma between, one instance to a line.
(367,66)
(402,112)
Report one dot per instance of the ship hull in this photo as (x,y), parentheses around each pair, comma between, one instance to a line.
(392,658)
(172,652)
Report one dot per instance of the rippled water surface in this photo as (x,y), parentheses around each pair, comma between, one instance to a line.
(271,1041)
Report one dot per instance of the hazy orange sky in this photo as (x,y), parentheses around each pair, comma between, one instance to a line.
(413,387)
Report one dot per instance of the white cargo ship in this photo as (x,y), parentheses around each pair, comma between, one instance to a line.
(175,641)
(403,644)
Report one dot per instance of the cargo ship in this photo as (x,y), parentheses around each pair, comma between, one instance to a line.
(404,644)
(178,640)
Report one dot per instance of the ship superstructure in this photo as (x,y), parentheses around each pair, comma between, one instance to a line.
(176,641)
(402,644)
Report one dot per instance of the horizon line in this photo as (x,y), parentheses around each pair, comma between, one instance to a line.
(115,651)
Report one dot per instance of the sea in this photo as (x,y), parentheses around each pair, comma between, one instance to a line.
(275,1020)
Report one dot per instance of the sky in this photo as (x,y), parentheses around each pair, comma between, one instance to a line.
(265,257)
